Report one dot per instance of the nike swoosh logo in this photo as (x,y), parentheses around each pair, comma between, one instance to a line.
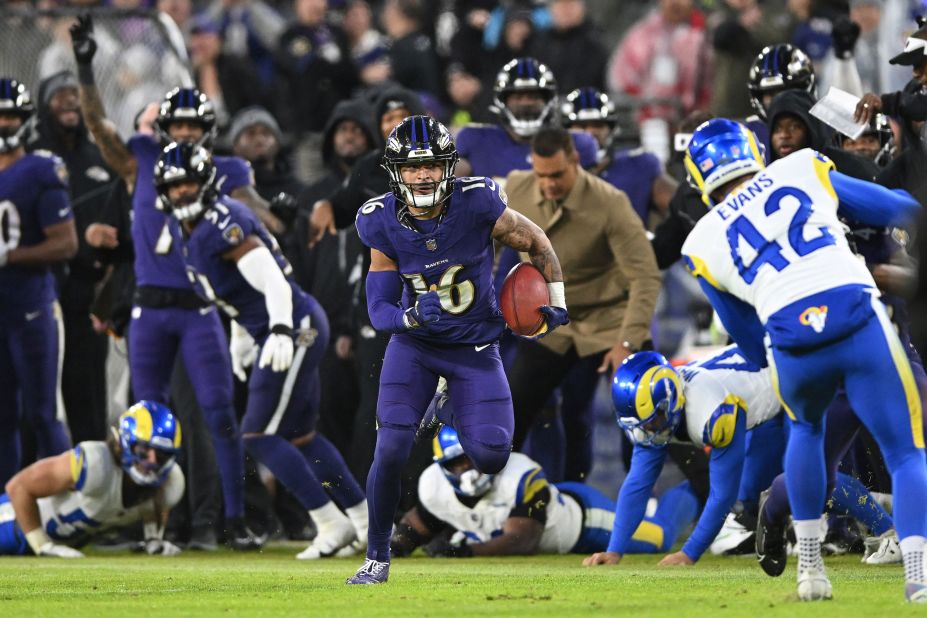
(64,212)
(480,348)
(33,315)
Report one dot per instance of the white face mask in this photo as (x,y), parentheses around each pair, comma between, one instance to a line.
(474,483)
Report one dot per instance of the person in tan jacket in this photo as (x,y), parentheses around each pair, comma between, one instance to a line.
(611,280)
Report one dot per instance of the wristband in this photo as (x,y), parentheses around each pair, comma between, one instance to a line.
(557,296)
(36,539)
(281,329)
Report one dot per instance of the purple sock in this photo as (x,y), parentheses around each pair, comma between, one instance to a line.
(330,469)
(777,504)
(9,454)
(230,457)
(290,467)
(384,486)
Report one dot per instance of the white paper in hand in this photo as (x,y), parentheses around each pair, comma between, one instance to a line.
(836,108)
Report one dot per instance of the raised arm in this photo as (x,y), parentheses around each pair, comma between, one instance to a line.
(115,152)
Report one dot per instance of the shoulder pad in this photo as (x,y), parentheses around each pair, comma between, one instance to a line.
(720,427)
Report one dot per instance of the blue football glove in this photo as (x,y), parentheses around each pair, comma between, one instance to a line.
(553,317)
(427,309)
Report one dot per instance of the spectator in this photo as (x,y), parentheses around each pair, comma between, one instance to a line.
(317,72)
(742,29)
(230,83)
(369,47)
(571,47)
(412,55)
(61,130)
(250,29)
(663,61)
(612,282)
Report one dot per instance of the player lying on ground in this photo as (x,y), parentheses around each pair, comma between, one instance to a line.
(59,503)
(789,290)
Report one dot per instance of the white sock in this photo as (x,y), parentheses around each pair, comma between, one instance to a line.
(358,515)
(326,516)
(912,549)
(808,535)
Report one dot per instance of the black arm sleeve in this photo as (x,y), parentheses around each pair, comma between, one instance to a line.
(536,509)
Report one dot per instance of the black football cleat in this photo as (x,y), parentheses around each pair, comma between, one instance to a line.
(770,542)
(239,536)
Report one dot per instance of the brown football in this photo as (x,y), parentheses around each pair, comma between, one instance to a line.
(523,292)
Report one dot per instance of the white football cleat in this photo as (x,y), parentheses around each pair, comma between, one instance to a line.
(352,549)
(883,549)
(732,535)
(329,540)
(813,585)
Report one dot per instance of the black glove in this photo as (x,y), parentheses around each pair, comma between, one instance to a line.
(82,39)
(913,103)
(845,33)
(441,547)
(284,206)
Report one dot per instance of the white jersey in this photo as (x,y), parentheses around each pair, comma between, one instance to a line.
(96,502)
(725,378)
(517,484)
(777,239)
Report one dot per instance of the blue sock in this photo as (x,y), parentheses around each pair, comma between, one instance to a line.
(677,508)
(805,473)
(290,467)
(384,483)
(851,498)
(230,458)
(329,467)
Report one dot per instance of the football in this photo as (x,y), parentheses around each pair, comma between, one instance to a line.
(523,292)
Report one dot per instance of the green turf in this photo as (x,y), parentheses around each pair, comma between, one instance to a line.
(272,583)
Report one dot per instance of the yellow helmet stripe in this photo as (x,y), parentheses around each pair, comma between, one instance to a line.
(176,433)
(436,447)
(143,422)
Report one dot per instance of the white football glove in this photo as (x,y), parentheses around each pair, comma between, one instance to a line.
(243,351)
(158,547)
(59,551)
(277,352)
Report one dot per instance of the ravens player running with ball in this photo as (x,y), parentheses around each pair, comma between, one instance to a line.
(430,285)
(236,264)
(772,258)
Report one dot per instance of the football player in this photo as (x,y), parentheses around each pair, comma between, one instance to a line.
(430,285)
(783,272)
(236,264)
(59,503)
(36,231)
(713,403)
(638,173)
(777,68)
(168,317)
(525,99)
(513,512)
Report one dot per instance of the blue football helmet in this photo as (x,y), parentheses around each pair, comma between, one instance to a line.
(148,425)
(777,68)
(648,397)
(179,162)
(14,100)
(420,140)
(447,451)
(525,75)
(720,151)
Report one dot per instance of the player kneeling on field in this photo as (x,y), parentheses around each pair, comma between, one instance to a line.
(59,503)
(464,512)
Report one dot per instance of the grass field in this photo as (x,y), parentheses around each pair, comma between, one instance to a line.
(272,583)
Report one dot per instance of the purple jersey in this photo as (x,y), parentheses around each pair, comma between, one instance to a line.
(223,227)
(633,171)
(157,260)
(492,151)
(456,256)
(33,196)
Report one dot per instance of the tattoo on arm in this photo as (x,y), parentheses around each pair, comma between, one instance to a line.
(114,150)
(520,233)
